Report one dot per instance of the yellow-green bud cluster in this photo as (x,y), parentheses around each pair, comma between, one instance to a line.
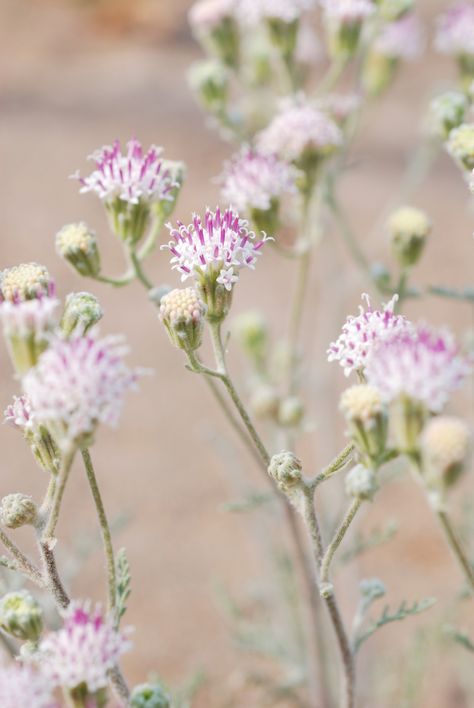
(408,228)
(460,146)
(210,81)
(77,244)
(286,470)
(361,483)
(362,408)
(150,695)
(21,616)
(447,112)
(182,313)
(26,281)
(445,446)
(81,312)
(18,510)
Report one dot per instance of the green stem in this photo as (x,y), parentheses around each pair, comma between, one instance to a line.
(335,543)
(50,525)
(53,579)
(332,75)
(104,529)
(334,466)
(138,270)
(116,282)
(456,547)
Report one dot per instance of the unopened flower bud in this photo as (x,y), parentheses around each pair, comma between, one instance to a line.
(286,470)
(408,228)
(210,80)
(362,407)
(163,208)
(215,27)
(150,695)
(77,244)
(27,281)
(283,36)
(264,402)
(182,313)
(81,312)
(290,411)
(447,111)
(344,21)
(445,447)
(251,331)
(407,418)
(17,510)
(21,616)
(460,145)
(361,483)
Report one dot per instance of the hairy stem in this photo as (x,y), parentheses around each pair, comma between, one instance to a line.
(22,563)
(336,542)
(456,547)
(53,579)
(63,475)
(104,530)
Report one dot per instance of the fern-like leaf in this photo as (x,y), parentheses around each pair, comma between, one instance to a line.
(123,580)
(387,616)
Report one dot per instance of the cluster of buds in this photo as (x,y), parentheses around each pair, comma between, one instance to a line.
(445,445)
(408,229)
(460,145)
(150,695)
(21,616)
(77,244)
(455,37)
(286,470)
(367,421)
(447,111)
(182,313)
(214,26)
(18,510)
(361,483)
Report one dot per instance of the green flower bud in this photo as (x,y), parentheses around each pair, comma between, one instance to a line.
(77,244)
(286,470)
(18,510)
(182,313)
(407,418)
(251,331)
(210,80)
(290,411)
(362,407)
(150,695)
(460,146)
(21,616)
(165,207)
(128,221)
(447,112)
(361,483)
(408,229)
(81,312)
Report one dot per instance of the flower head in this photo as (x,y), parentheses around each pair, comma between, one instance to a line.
(182,313)
(251,12)
(347,11)
(27,281)
(361,333)
(253,180)
(445,447)
(402,39)
(455,32)
(298,128)
(78,383)
(424,365)
(219,245)
(208,14)
(20,685)
(460,145)
(29,317)
(83,650)
(132,177)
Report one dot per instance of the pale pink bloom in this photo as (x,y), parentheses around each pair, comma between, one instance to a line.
(340,106)
(347,11)
(362,333)
(299,127)
(83,650)
(402,39)
(22,318)
(423,364)
(19,414)
(251,180)
(79,383)
(208,14)
(22,687)
(133,176)
(251,12)
(219,244)
(455,30)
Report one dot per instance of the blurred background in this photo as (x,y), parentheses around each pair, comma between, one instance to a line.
(75,75)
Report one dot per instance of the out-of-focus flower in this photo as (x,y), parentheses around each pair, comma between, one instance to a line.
(83,650)
(340,106)
(251,12)
(460,145)
(362,333)
(182,313)
(455,30)
(447,111)
(361,483)
(309,49)
(424,365)
(286,470)
(27,281)
(17,510)
(21,616)
(209,14)
(403,39)
(264,401)
(20,415)
(79,383)
(20,685)
(129,184)
(77,244)
(213,250)
(344,20)
(408,229)
(213,23)
(290,411)
(209,79)
(445,446)
(150,695)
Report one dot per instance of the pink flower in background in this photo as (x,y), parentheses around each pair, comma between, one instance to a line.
(251,180)
(84,649)
(132,177)
(23,318)
(251,12)
(79,383)
(402,39)
(207,14)
(22,687)
(219,243)
(347,11)
(19,414)
(423,364)
(455,30)
(362,333)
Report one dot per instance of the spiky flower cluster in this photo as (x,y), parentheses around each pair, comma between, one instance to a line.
(402,39)
(361,333)
(20,685)
(347,11)
(455,33)
(27,281)
(83,650)
(252,180)
(423,364)
(251,12)
(299,127)
(132,177)
(22,318)
(78,383)
(219,244)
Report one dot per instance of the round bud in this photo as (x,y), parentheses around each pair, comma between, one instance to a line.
(362,407)
(21,616)
(361,402)
(17,510)
(460,145)
(361,483)
(264,401)
(150,695)
(77,244)
(81,312)
(408,229)
(290,411)
(445,446)
(210,80)
(182,313)
(447,111)
(27,281)
(286,469)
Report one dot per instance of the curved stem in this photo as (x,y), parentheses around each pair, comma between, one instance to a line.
(336,542)
(104,529)
(22,563)
(339,461)
(456,546)
(138,270)
(116,282)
